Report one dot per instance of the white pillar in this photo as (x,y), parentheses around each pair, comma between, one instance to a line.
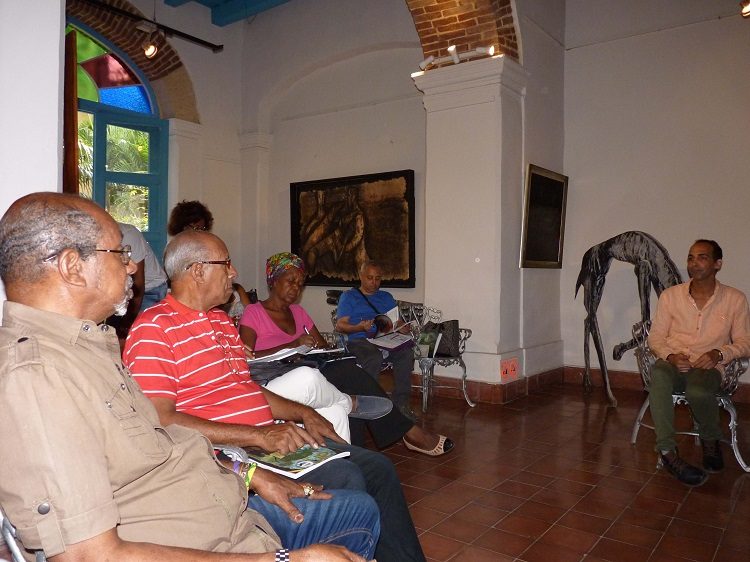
(31,100)
(255,160)
(473,202)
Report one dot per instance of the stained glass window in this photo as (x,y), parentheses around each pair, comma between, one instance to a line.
(103,76)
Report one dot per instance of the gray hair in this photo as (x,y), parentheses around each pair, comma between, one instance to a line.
(41,225)
(369,263)
(184,249)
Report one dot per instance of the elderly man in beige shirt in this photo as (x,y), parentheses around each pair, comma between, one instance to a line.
(699,326)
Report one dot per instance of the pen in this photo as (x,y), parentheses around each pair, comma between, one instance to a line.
(315,344)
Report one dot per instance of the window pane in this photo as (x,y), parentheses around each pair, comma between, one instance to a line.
(127,149)
(133,98)
(128,203)
(85,154)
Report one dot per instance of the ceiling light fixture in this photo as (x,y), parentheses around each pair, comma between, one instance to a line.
(745,8)
(158,27)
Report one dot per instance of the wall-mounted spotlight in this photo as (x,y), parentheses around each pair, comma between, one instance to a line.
(454,54)
(455,57)
(745,8)
(427,62)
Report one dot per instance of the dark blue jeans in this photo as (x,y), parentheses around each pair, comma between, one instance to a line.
(398,538)
(350,519)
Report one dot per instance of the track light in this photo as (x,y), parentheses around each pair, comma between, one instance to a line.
(454,54)
(745,8)
(150,48)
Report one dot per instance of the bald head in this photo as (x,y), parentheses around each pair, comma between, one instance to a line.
(40,225)
(186,248)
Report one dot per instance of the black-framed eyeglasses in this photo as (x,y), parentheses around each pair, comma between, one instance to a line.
(227,262)
(125,253)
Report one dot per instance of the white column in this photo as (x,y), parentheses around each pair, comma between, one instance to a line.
(185,162)
(31,100)
(473,202)
(255,160)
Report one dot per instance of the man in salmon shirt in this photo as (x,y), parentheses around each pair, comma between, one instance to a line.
(698,328)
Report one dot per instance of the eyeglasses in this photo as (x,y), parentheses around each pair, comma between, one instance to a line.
(124,252)
(227,262)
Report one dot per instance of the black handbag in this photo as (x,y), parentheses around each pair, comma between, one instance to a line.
(449,345)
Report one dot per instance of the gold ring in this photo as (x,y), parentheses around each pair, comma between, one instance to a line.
(308,490)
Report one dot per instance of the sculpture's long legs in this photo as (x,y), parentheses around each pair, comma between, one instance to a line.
(643,273)
(602,360)
(586,358)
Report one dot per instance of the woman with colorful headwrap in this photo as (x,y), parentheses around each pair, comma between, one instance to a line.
(279,322)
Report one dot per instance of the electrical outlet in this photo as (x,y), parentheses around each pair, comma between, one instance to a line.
(509,369)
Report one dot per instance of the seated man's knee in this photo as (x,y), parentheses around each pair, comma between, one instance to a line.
(339,474)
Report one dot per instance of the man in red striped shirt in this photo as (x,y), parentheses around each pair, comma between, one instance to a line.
(187,356)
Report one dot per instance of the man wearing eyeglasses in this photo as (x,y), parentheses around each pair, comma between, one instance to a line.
(187,356)
(89,472)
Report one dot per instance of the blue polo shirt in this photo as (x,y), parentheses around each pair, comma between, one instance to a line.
(354,305)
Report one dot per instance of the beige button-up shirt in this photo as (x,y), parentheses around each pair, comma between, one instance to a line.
(83,451)
(680,327)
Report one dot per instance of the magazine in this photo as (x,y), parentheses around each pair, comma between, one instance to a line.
(296,464)
(282,354)
(393,341)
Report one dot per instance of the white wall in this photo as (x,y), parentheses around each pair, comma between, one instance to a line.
(542,25)
(335,97)
(656,122)
(30,102)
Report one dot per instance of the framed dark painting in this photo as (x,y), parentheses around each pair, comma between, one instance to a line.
(339,223)
(543,218)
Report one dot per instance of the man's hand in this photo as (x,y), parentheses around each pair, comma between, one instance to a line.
(319,427)
(325,553)
(681,361)
(708,360)
(278,490)
(285,437)
(365,325)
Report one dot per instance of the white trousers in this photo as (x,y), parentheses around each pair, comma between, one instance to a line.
(309,387)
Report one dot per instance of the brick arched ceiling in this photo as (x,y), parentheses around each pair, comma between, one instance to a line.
(165,72)
(468,24)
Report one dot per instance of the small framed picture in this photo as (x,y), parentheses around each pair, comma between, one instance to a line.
(543,218)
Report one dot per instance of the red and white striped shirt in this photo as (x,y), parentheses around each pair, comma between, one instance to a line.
(196,359)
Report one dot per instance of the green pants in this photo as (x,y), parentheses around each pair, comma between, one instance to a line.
(700,387)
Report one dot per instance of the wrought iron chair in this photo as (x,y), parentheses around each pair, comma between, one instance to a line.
(418,314)
(732,372)
(11,540)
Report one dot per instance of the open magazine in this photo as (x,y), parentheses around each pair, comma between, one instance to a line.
(290,352)
(296,464)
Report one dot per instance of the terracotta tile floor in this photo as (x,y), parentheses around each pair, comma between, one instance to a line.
(553,477)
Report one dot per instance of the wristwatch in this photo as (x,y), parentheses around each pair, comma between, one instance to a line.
(721,356)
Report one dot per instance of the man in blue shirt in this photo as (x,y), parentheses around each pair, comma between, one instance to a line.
(356,312)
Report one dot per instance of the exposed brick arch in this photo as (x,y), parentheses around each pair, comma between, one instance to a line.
(465,23)
(165,72)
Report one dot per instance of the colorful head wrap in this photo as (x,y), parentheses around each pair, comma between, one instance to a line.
(277,264)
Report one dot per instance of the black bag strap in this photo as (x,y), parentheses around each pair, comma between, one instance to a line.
(368,300)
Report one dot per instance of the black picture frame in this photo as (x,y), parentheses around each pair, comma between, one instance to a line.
(543,232)
(337,223)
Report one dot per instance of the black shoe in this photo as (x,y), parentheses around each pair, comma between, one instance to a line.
(712,459)
(683,471)
(409,413)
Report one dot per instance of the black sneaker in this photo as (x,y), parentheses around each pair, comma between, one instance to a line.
(712,459)
(684,472)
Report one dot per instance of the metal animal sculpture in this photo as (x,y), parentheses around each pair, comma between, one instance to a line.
(653,268)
